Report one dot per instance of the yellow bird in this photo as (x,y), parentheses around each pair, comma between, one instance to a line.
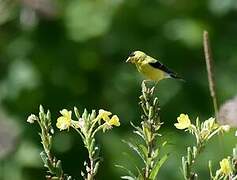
(150,67)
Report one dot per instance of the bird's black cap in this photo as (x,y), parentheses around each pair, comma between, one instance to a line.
(132,54)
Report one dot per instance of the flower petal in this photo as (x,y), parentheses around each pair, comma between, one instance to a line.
(104,115)
(64,121)
(183,122)
(225,167)
(114,121)
(66,113)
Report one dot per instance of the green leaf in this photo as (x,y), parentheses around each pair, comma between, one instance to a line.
(185,169)
(96,167)
(44,157)
(137,128)
(164,143)
(69,177)
(139,134)
(140,174)
(48,118)
(127,170)
(93,115)
(76,111)
(85,114)
(128,177)
(41,109)
(147,132)
(143,149)
(156,153)
(58,169)
(136,149)
(157,166)
(210,169)
(54,178)
(91,145)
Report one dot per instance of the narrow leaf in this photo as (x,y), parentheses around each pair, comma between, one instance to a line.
(136,127)
(139,134)
(127,170)
(157,166)
(136,149)
(128,177)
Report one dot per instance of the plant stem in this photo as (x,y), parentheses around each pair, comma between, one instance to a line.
(87,141)
(91,173)
(209,64)
(151,123)
(149,155)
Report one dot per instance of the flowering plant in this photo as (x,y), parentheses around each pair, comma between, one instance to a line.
(203,132)
(86,125)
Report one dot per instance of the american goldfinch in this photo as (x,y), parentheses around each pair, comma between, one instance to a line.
(150,67)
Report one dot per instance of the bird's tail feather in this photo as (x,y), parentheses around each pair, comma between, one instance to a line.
(175,76)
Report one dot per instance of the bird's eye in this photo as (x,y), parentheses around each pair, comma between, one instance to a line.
(132,54)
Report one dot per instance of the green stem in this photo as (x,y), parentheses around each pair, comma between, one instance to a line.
(149,159)
(87,139)
(45,141)
(192,175)
(98,128)
(83,138)
(93,125)
(91,174)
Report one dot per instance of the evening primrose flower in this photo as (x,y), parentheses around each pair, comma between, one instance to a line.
(104,115)
(109,122)
(183,122)
(32,118)
(114,121)
(225,167)
(64,121)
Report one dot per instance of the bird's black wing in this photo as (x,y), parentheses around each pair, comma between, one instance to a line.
(162,67)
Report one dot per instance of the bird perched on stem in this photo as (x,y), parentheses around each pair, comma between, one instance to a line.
(150,67)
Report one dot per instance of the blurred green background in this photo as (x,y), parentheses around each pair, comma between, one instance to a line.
(72,53)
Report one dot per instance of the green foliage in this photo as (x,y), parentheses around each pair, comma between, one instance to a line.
(53,165)
(49,55)
(87,125)
(149,149)
(203,133)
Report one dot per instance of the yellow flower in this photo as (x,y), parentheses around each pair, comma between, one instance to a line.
(104,115)
(109,122)
(114,121)
(64,121)
(225,167)
(183,122)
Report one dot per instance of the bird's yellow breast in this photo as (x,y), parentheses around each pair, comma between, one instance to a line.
(151,72)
